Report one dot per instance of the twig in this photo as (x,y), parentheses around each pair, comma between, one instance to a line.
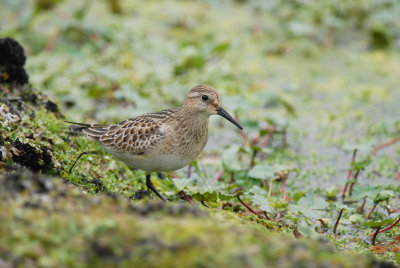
(73,165)
(349,173)
(277,216)
(187,198)
(266,216)
(249,208)
(253,158)
(267,184)
(244,137)
(354,182)
(362,206)
(387,228)
(271,131)
(375,235)
(396,175)
(219,175)
(387,144)
(172,175)
(202,202)
(52,41)
(370,212)
(189,172)
(337,221)
(283,190)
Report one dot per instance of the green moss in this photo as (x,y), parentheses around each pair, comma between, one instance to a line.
(48,223)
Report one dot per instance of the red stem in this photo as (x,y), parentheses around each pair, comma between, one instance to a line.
(173,175)
(277,216)
(253,158)
(387,144)
(362,206)
(354,182)
(249,208)
(283,190)
(375,235)
(337,221)
(187,198)
(219,175)
(396,175)
(244,137)
(370,212)
(271,132)
(266,216)
(388,228)
(349,173)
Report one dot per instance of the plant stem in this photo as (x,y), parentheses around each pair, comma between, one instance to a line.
(249,208)
(396,175)
(375,235)
(266,216)
(244,137)
(355,180)
(370,212)
(283,190)
(337,221)
(349,173)
(219,175)
(387,144)
(389,227)
(362,206)
(253,157)
(267,140)
(187,198)
(277,216)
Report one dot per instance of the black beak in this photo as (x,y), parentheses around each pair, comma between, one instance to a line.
(224,114)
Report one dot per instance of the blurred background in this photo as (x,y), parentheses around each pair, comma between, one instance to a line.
(321,76)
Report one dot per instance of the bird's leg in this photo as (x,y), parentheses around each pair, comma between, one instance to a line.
(73,165)
(151,187)
(161,175)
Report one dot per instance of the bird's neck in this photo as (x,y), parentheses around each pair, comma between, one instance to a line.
(194,124)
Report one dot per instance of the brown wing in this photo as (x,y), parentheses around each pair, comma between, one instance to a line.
(136,135)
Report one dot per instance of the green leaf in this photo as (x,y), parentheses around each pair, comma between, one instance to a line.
(361,165)
(259,198)
(220,47)
(361,191)
(305,230)
(384,196)
(365,148)
(397,258)
(376,224)
(183,184)
(311,207)
(262,172)
(356,218)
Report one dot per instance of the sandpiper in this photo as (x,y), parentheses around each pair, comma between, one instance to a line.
(161,141)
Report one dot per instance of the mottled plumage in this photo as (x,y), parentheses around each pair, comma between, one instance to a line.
(161,141)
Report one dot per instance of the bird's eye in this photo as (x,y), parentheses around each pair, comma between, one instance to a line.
(204,97)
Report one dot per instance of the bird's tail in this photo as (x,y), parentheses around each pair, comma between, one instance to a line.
(77,127)
(94,131)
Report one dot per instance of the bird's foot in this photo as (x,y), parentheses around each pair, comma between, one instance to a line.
(151,187)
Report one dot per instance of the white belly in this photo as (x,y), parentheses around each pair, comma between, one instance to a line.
(152,162)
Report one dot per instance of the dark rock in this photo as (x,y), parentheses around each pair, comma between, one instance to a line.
(14,74)
(12,60)
(11,53)
(32,158)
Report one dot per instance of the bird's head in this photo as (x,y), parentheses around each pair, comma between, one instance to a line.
(205,100)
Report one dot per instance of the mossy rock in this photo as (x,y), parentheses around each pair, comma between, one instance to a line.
(48,223)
